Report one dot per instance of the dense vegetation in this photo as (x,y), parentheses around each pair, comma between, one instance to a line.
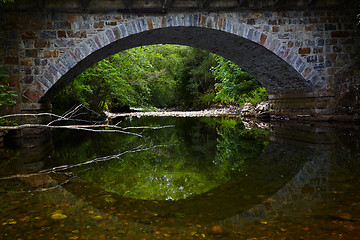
(161,76)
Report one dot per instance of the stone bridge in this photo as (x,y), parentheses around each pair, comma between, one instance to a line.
(301,51)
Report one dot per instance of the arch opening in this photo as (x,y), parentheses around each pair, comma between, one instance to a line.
(274,73)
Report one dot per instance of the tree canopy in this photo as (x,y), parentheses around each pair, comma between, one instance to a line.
(162,76)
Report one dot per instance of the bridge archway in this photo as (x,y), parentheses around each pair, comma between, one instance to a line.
(277,67)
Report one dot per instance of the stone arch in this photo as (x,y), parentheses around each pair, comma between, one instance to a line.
(278,68)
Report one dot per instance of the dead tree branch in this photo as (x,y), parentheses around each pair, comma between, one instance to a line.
(72,116)
(95,160)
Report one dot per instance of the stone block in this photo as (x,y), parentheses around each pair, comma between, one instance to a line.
(61,34)
(27,79)
(26,62)
(262,39)
(45,82)
(99,24)
(330,27)
(91,44)
(50,53)
(303,51)
(123,30)
(49,76)
(275,29)
(62,25)
(31,53)
(11,60)
(311,59)
(340,34)
(84,49)
(48,35)
(28,35)
(110,35)
(40,43)
(35,91)
(69,60)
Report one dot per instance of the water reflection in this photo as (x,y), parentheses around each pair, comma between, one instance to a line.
(296,181)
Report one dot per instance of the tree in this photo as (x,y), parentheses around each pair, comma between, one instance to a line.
(193,76)
(234,84)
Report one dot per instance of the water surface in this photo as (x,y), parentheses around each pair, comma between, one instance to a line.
(201,178)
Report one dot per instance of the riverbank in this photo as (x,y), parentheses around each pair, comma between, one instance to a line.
(261,110)
(213,112)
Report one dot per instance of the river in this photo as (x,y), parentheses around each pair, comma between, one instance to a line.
(198,178)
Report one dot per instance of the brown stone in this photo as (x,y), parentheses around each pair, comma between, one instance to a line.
(99,24)
(340,34)
(28,35)
(304,50)
(262,39)
(163,22)
(61,34)
(34,92)
(71,17)
(203,21)
(220,23)
(150,24)
(51,54)
(12,60)
(26,62)
(79,34)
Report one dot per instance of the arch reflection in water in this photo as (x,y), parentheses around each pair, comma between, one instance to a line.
(190,161)
(302,184)
(212,168)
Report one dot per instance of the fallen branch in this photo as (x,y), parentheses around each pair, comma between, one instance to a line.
(72,115)
(95,160)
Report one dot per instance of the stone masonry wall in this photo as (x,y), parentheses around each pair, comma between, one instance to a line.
(38,48)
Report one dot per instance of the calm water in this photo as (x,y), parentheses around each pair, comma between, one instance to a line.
(199,178)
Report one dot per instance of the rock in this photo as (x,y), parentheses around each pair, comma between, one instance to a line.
(261,110)
(248,110)
(262,107)
(217,230)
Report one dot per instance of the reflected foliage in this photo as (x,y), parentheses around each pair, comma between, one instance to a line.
(238,145)
(197,156)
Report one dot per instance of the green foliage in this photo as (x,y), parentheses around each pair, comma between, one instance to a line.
(6,1)
(234,84)
(161,76)
(137,77)
(194,78)
(7,96)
